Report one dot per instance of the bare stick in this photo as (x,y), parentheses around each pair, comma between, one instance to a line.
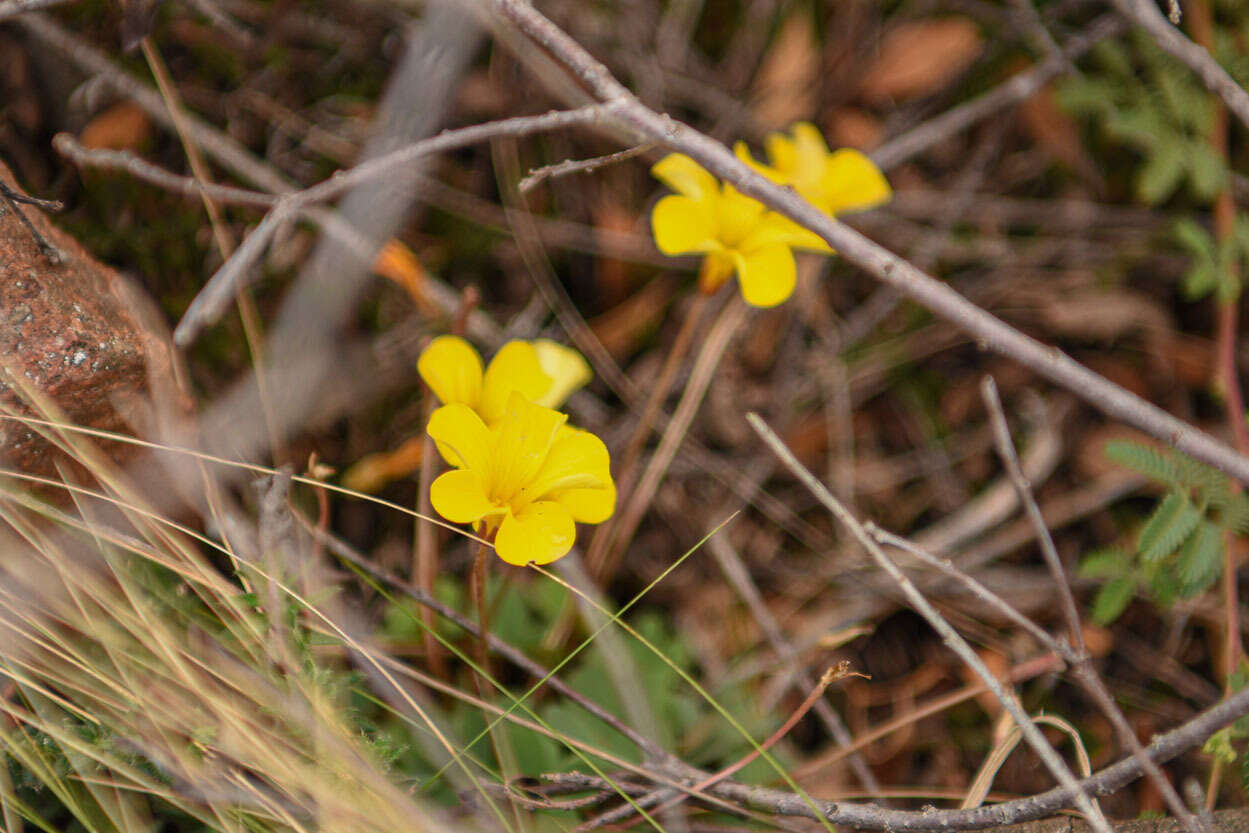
(737,574)
(814,696)
(604,537)
(1078,655)
(217,144)
(1163,748)
(122,160)
(216,294)
(718,340)
(949,636)
(13,199)
(579,166)
(11,8)
(1014,472)
(990,332)
(1146,15)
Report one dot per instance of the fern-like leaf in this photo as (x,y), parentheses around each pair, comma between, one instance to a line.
(1172,521)
(1147,460)
(1201,560)
(1110,562)
(1235,513)
(1113,599)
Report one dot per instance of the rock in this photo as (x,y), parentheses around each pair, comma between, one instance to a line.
(80,334)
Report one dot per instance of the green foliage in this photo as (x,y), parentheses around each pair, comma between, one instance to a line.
(1179,551)
(1216,266)
(1138,96)
(1228,744)
(524,615)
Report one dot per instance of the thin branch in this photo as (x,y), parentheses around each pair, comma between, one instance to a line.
(126,162)
(579,166)
(1146,15)
(630,515)
(12,8)
(866,817)
(216,294)
(739,577)
(1079,655)
(990,332)
(14,199)
(1023,490)
(1053,762)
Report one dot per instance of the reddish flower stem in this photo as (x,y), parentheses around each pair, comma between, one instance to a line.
(1201,20)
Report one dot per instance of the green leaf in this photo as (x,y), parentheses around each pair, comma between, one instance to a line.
(1105,563)
(1207,171)
(1162,173)
(1145,459)
(1220,746)
(1163,583)
(1113,599)
(1085,96)
(1228,272)
(1201,560)
(1143,129)
(1172,521)
(1234,511)
(1200,281)
(1194,237)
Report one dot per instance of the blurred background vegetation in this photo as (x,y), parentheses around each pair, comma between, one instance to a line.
(237,667)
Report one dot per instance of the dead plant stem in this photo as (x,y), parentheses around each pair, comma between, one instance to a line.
(253,331)
(949,636)
(605,537)
(718,340)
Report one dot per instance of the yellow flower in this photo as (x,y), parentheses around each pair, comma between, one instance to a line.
(837,181)
(543,371)
(736,233)
(526,480)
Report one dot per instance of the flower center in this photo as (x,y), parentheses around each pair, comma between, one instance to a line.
(736,217)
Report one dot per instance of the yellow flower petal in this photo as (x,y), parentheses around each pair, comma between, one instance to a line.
(460,497)
(452,369)
(742,152)
(685,176)
(682,225)
(777,228)
(810,153)
(577,460)
(462,438)
(589,506)
(767,276)
(852,182)
(525,435)
(716,269)
(567,369)
(737,215)
(781,152)
(514,368)
(539,534)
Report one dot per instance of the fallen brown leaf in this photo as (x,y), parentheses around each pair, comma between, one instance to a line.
(123,126)
(785,86)
(921,57)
